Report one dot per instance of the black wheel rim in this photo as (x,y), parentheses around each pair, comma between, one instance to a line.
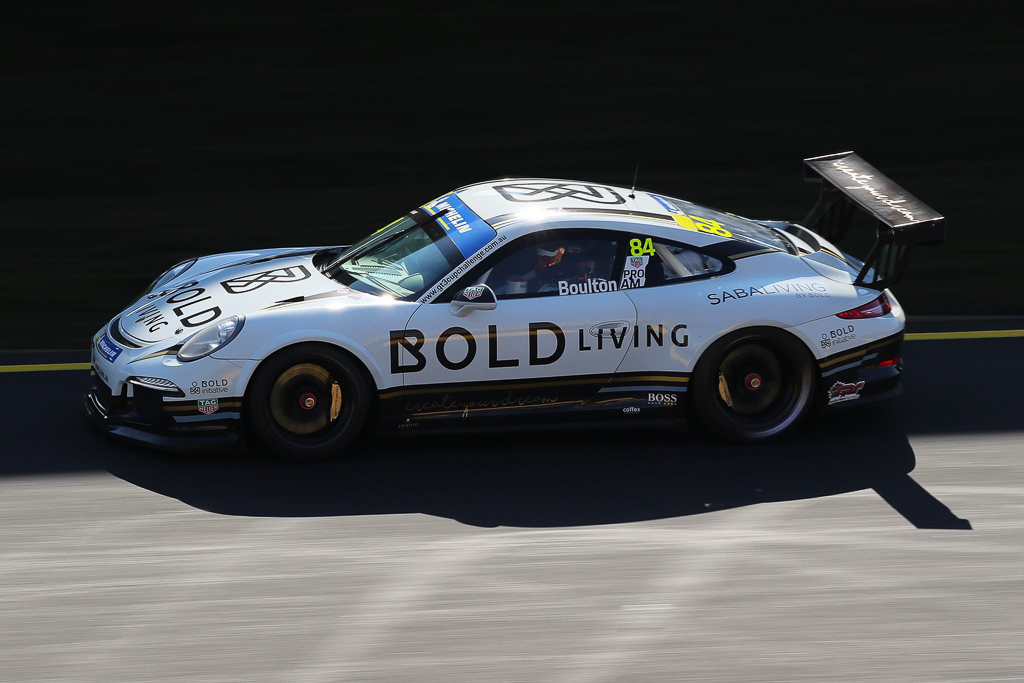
(759,387)
(307,403)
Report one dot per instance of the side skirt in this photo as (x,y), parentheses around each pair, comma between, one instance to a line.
(629,396)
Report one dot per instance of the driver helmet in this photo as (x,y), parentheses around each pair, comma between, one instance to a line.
(547,258)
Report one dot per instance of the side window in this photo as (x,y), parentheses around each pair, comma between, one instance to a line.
(650,263)
(552,264)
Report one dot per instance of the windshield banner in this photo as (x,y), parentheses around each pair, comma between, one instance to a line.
(465,228)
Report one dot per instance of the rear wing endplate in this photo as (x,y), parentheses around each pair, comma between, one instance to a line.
(849,182)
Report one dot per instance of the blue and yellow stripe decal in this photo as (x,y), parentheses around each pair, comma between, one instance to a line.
(467,230)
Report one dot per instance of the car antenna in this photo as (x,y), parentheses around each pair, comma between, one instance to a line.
(636,172)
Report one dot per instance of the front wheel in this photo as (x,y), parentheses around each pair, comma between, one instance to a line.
(308,402)
(754,385)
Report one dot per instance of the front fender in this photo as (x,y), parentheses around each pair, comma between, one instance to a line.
(344,342)
(266,333)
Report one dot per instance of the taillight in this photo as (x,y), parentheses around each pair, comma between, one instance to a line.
(873,309)
(889,363)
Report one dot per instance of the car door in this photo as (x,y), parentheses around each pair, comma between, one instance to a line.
(666,281)
(557,334)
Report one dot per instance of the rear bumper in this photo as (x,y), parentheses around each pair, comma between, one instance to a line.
(862,375)
(146,422)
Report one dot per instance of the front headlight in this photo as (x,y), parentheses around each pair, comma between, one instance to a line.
(209,339)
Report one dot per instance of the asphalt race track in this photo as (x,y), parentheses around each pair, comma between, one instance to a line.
(884,544)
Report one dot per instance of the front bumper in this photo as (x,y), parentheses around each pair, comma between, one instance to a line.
(146,419)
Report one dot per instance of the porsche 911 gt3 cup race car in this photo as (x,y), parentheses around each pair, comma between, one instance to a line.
(531,299)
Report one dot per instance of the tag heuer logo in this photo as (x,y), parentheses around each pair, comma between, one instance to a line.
(208,406)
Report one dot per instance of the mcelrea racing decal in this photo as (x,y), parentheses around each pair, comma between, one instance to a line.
(844,391)
(413,340)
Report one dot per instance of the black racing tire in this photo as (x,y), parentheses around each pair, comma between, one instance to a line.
(291,398)
(769,385)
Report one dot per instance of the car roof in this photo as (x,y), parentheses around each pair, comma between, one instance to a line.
(511,200)
(496,200)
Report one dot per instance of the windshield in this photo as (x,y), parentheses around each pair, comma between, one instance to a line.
(401,259)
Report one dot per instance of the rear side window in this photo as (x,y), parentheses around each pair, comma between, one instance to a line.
(650,263)
(703,219)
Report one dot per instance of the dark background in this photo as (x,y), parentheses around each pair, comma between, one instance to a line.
(132,139)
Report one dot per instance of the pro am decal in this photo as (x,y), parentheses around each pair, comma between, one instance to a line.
(635,269)
(465,228)
(208,406)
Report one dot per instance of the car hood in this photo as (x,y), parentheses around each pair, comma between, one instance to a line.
(204,295)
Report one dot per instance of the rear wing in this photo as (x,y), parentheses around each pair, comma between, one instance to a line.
(902,220)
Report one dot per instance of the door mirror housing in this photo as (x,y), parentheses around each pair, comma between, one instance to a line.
(475,298)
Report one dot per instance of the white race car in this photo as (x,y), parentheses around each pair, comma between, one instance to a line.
(522,299)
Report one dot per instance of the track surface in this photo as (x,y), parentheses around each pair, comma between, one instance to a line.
(885,544)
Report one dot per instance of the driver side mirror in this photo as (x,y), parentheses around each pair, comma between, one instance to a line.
(475,298)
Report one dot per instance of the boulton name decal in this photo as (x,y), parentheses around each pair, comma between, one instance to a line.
(413,341)
(586,287)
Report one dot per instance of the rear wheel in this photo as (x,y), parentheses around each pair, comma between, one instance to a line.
(754,385)
(308,402)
